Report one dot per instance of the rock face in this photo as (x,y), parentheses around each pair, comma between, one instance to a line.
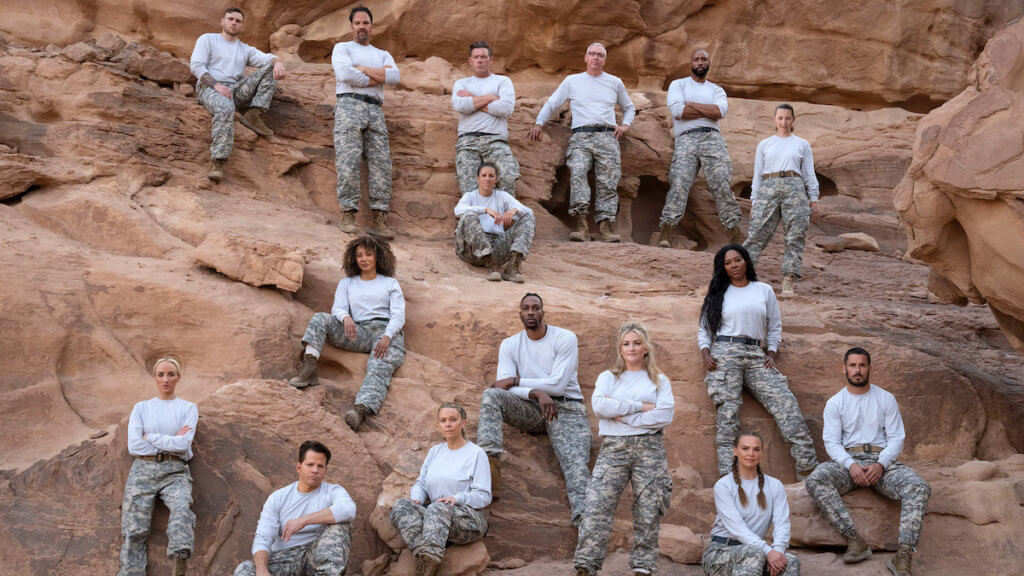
(250,260)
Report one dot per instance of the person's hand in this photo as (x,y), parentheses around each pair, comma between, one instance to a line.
(815,213)
(449,500)
(504,383)
(859,475)
(291,527)
(776,562)
(874,473)
(223,90)
(548,408)
(709,361)
(620,130)
(350,328)
(279,71)
(498,218)
(769,360)
(509,217)
(184,430)
(361,68)
(646,407)
(381,349)
(464,93)
(535,131)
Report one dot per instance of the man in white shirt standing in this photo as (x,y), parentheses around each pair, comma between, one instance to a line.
(218,62)
(304,528)
(592,97)
(362,71)
(863,433)
(537,390)
(696,106)
(484,101)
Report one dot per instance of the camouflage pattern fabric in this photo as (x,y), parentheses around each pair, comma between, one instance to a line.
(359,129)
(325,556)
(254,91)
(473,245)
(324,326)
(599,150)
(171,480)
(472,151)
(692,151)
(641,461)
(785,200)
(428,529)
(742,560)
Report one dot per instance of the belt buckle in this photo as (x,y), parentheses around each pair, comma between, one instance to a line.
(866,448)
(159,457)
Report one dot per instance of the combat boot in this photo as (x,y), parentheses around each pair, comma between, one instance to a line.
(493,267)
(899,564)
(348,222)
(379,227)
(736,235)
(582,232)
(309,374)
(512,273)
(495,466)
(582,571)
(856,549)
(427,565)
(665,236)
(180,567)
(216,172)
(253,120)
(607,228)
(356,416)
(788,285)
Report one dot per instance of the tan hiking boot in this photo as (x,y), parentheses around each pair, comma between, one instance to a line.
(216,172)
(789,285)
(856,550)
(607,229)
(899,564)
(348,222)
(427,565)
(665,236)
(582,571)
(180,567)
(379,227)
(356,416)
(493,268)
(309,374)
(253,120)
(736,235)
(512,273)
(582,232)
(495,466)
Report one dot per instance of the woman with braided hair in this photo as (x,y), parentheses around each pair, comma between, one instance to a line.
(737,546)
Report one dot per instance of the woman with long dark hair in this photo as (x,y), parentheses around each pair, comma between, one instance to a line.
(739,317)
(367,316)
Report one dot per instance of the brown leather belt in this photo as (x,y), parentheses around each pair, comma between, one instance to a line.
(783,174)
(865,449)
(160,457)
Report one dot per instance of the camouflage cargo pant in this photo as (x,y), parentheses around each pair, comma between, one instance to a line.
(693,151)
(428,529)
(742,365)
(327,555)
(785,200)
(599,150)
(472,151)
(253,91)
(172,482)
(742,560)
(641,461)
(326,327)
(359,129)
(473,245)
(831,480)
(569,434)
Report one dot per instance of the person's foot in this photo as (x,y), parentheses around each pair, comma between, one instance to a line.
(427,565)
(899,564)
(607,229)
(857,550)
(665,236)
(512,273)
(356,416)
(789,285)
(253,120)
(180,567)
(582,231)
(348,222)
(379,227)
(493,268)
(582,571)
(308,374)
(216,172)
(736,235)
(495,466)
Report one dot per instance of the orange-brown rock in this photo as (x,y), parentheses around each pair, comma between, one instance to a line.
(250,260)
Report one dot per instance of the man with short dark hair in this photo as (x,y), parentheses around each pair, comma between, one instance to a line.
(218,62)
(304,529)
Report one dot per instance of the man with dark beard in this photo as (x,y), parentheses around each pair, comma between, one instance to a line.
(863,433)
(697,105)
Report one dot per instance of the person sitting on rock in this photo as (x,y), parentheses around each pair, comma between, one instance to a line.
(304,529)
(738,314)
(863,434)
(536,390)
(737,546)
(160,434)
(367,316)
(634,403)
(446,503)
(218,62)
(495,230)
(592,97)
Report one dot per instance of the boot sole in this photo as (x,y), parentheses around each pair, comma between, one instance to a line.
(577,239)
(856,559)
(300,384)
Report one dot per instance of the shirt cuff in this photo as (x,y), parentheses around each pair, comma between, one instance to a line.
(765,547)
(847,462)
(636,407)
(779,548)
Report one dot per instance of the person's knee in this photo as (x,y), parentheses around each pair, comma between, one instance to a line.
(246,568)
(816,481)
(322,317)
(439,509)
(918,491)
(400,507)
(491,397)
(792,564)
(757,554)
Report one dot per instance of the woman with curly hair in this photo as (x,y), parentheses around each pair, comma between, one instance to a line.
(367,316)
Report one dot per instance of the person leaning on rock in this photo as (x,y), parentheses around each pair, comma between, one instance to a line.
(304,529)
(592,97)
(863,434)
(537,390)
(367,316)
(495,230)
(696,106)
(219,61)
(160,434)
(484,101)
(361,71)
(445,505)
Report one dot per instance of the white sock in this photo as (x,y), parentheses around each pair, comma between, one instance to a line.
(312,351)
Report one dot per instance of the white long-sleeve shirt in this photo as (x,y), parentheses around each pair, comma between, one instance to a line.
(858,419)
(499,201)
(623,396)
(686,90)
(491,118)
(288,504)
(751,311)
(224,60)
(778,154)
(369,299)
(749,523)
(159,420)
(548,364)
(347,55)
(592,100)
(463,474)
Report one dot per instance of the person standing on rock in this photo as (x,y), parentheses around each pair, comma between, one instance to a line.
(484,101)
(537,390)
(305,528)
(447,501)
(739,316)
(495,230)
(863,434)
(362,71)
(634,403)
(367,316)
(160,434)
(785,188)
(592,97)
(218,62)
(737,546)
(696,106)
